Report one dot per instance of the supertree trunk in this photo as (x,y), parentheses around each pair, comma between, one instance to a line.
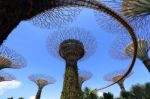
(71,89)
(38,95)
(121,85)
(147,64)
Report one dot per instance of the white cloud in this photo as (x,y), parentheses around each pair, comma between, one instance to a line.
(100,93)
(6,85)
(32,97)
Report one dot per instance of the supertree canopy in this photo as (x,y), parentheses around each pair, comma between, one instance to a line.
(115,76)
(12,12)
(41,81)
(122,48)
(71,45)
(55,18)
(84,76)
(10,59)
(6,77)
(135,11)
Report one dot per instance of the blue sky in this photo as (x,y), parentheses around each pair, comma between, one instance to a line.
(30,41)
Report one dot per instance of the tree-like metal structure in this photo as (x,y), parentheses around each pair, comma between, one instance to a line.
(6,77)
(135,11)
(41,81)
(122,48)
(55,18)
(115,76)
(12,12)
(10,59)
(84,76)
(71,45)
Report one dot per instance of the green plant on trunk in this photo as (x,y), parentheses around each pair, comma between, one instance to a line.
(71,45)
(41,81)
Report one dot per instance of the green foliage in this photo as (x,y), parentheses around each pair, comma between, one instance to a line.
(90,94)
(141,91)
(108,95)
(127,95)
(21,98)
(136,92)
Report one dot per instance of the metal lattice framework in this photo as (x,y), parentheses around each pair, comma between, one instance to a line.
(135,11)
(6,77)
(58,37)
(72,45)
(14,13)
(41,80)
(122,47)
(84,76)
(55,18)
(10,59)
(115,76)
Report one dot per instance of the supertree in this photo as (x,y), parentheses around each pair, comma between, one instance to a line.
(122,48)
(10,59)
(135,11)
(55,18)
(6,77)
(12,12)
(84,76)
(41,81)
(115,76)
(71,45)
